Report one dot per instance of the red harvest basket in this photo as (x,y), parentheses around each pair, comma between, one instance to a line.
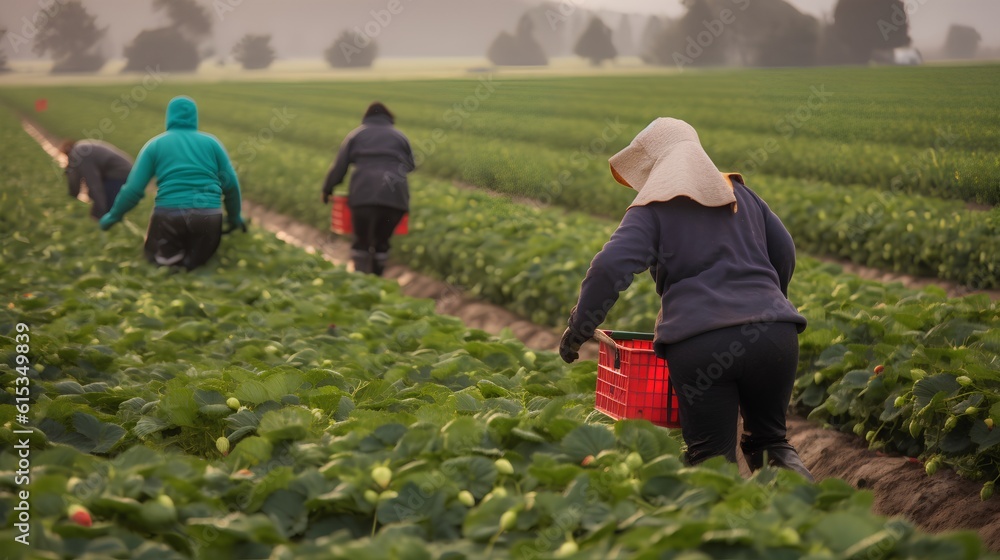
(633,383)
(340,218)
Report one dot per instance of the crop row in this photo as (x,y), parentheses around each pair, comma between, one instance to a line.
(531,260)
(894,231)
(949,161)
(223,414)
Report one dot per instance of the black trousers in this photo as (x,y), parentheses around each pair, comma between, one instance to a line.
(111,189)
(750,368)
(373,227)
(185,237)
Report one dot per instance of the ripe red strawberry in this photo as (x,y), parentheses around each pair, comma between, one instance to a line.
(79,515)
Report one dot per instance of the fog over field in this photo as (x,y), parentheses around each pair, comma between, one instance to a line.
(432,28)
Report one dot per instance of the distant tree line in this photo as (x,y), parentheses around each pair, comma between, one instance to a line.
(761,33)
(754,33)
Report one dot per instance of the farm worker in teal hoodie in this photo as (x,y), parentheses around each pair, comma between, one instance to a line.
(193,175)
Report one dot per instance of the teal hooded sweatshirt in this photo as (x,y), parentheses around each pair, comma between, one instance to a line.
(192,169)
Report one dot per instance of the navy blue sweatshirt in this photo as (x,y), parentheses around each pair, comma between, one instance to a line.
(713,268)
(382,157)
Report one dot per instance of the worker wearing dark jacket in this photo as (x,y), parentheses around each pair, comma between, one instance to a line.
(101,166)
(379,195)
(194,176)
(722,262)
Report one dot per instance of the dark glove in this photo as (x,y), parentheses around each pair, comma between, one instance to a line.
(326,198)
(569,345)
(235,224)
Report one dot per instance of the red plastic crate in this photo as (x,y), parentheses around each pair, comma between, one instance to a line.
(340,218)
(633,383)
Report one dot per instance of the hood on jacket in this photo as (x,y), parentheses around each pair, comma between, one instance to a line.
(666,160)
(182,112)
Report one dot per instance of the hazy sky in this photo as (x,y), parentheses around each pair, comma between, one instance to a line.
(929,19)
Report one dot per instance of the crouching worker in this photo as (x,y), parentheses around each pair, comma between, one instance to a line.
(379,195)
(193,176)
(101,166)
(722,262)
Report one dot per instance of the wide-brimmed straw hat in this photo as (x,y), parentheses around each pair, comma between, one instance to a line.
(665,161)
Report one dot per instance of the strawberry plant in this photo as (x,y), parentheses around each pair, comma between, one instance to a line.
(366,440)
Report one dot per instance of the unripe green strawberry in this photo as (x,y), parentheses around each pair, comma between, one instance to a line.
(964,380)
(915,429)
(529,500)
(899,402)
(870,435)
(989,423)
(222,444)
(859,428)
(971,410)
(950,423)
(987,491)
(371,496)
(388,495)
(382,476)
(530,357)
(499,492)
(789,537)
(508,520)
(932,466)
(233,403)
(568,548)
(466,498)
(504,466)
(817,378)
(634,460)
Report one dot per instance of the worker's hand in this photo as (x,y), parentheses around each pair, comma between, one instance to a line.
(107,221)
(326,198)
(569,345)
(234,224)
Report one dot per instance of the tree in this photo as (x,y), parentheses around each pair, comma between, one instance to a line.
(352,50)
(3,55)
(522,49)
(775,33)
(254,52)
(623,40)
(164,48)
(595,43)
(174,47)
(962,42)
(650,36)
(693,40)
(186,16)
(70,36)
(867,26)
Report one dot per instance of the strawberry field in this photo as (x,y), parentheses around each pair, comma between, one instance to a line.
(356,422)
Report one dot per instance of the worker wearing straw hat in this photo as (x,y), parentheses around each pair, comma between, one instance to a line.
(722,262)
